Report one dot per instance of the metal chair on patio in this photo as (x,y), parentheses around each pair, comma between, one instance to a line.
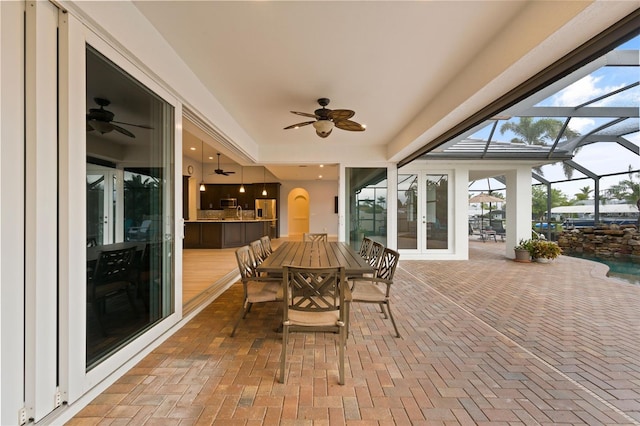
(377,289)
(314,237)
(266,244)
(257,289)
(316,300)
(365,247)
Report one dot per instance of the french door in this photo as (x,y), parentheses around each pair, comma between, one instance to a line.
(424,212)
(102,204)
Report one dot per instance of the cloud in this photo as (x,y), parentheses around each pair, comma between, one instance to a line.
(584,90)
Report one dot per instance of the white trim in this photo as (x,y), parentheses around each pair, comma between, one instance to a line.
(11,210)
(77,383)
(41,209)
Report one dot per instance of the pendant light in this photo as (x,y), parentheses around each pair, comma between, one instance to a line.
(264,187)
(202,187)
(241,180)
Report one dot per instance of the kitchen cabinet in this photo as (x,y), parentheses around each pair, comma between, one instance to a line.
(210,199)
(224,233)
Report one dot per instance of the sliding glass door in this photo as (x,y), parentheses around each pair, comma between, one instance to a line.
(130,208)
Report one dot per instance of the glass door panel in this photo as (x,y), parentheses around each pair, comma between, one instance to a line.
(130,206)
(366,213)
(408,211)
(436,215)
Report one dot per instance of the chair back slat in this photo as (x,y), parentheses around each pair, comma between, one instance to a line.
(314,237)
(387,265)
(314,289)
(365,247)
(266,244)
(259,254)
(114,265)
(246,262)
(375,253)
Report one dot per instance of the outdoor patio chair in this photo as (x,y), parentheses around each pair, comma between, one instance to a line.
(314,237)
(375,252)
(112,276)
(315,300)
(256,289)
(259,253)
(377,289)
(266,244)
(365,247)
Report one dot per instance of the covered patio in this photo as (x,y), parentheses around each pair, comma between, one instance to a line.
(485,340)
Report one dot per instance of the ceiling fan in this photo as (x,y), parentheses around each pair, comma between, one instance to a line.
(219,171)
(102,120)
(326,119)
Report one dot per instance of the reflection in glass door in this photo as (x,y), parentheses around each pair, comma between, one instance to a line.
(101,201)
(423,211)
(366,214)
(408,211)
(436,214)
(130,208)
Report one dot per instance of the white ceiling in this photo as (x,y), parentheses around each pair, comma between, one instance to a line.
(410,70)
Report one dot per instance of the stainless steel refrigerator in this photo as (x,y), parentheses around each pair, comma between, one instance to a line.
(266,209)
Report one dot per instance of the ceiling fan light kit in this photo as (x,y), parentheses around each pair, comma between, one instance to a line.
(202,187)
(327,119)
(102,120)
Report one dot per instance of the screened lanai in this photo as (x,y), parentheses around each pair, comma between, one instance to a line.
(580,133)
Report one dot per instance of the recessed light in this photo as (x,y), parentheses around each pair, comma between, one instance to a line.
(192,148)
(210,158)
(321,165)
(319,176)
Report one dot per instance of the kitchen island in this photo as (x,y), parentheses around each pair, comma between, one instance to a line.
(225,233)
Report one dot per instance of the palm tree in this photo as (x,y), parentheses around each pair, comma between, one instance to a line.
(627,189)
(539,132)
(584,193)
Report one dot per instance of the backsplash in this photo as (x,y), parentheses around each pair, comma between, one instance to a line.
(224,214)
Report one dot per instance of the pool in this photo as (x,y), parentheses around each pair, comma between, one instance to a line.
(626,270)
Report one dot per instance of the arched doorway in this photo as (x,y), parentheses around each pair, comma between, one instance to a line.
(298,212)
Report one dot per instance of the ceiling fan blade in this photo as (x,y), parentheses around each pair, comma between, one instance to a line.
(143,126)
(305,114)
(324,135)
(341,114)
(295,126)
(349,125)
(89,128)
(122,130)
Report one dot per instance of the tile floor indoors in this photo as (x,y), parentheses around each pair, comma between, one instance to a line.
(484,341)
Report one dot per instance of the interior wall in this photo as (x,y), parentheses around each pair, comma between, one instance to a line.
(322,216)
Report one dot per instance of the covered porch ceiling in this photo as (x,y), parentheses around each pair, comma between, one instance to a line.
(409,70)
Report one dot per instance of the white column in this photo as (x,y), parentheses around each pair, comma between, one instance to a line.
(392,207)
(460,226)
(518,211)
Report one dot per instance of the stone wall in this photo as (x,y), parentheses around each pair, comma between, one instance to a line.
(603,241)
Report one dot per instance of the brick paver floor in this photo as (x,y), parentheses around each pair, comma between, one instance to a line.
(484,341)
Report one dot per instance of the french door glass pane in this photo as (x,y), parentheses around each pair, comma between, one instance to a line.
(367,205)
(130,199)
(95,209)
(407,211)
(437,212)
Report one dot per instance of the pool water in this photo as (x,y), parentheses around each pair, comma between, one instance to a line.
(624,269)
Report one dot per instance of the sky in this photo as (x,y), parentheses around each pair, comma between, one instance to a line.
(601,158)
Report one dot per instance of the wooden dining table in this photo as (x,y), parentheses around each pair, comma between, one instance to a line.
(316,255)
